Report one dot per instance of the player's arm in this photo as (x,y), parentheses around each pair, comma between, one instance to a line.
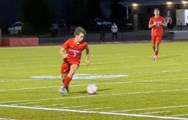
(164,24)
(151,23)
(63,52)
(87,55)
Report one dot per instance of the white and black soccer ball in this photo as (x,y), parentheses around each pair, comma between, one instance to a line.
(91,89)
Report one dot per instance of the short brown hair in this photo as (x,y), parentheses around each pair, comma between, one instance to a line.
(157,9)
(79,30)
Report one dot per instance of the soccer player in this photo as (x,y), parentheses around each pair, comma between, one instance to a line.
(156,23)
(71,51)
(114,30)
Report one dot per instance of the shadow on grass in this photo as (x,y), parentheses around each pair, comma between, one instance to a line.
(168,57)
(99,90)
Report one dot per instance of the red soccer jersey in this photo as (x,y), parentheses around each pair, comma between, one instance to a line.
(158,29)
(74,50)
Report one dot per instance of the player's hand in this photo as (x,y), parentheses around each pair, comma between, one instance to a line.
(87,62)
(155,23)
(160,23)
(163,24)
(65,56)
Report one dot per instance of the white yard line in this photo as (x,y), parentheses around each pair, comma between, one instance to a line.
(79,106)
(32,88)
(132,81)
(83,76)
(135,73)
(98,108)
(151,92)
(6,119)
(179,115)
(52,105)
(94,112)
(158,72)
(28,103)
(156,108)
(156,112)
(84,96)
(95,63)
(132,66)
(17,80)
(58,98)
(33,67)
(55,105)
(34,61)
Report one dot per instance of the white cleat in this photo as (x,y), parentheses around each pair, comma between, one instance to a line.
(62,90)
(155,57)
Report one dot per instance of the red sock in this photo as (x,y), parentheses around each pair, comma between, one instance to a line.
(67,81)
(156,52)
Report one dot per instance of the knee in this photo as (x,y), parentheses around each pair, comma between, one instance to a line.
(71,73)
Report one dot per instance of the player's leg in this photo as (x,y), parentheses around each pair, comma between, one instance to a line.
(116,36)
(153,42)
(73,69)
(157,48)
(155,57)
(63,76)
(65,68)
(158,41)
(153,46)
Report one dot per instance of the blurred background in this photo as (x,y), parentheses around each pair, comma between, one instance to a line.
(55,18)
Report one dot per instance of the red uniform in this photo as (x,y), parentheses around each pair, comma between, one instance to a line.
(157,31)
(74,52)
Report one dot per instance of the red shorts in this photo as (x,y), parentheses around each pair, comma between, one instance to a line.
(156,39)
(65,67)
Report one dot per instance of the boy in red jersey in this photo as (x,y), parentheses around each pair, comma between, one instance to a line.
(156,23)
(71,51)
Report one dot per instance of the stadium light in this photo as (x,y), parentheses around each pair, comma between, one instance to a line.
(134,5)
(169,3)
(184,2)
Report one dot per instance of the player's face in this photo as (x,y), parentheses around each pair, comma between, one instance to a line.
(156,12)
(80,37)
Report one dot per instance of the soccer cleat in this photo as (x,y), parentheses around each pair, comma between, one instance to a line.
(155,57)
(62,90)
(67,88)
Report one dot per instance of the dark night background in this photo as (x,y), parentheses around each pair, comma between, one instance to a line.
(82,12)
(37,15)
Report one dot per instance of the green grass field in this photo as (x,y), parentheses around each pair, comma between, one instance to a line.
(29,83)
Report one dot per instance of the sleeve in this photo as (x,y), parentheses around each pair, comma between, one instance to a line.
(86,45)
(150,21)
(66,45)
(164,21)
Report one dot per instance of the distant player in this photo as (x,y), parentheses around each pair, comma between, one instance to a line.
(156,23)
(71,51)
(114,30)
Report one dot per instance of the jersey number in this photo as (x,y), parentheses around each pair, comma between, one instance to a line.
(75,53)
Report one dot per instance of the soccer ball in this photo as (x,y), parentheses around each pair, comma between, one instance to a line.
(91,89)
